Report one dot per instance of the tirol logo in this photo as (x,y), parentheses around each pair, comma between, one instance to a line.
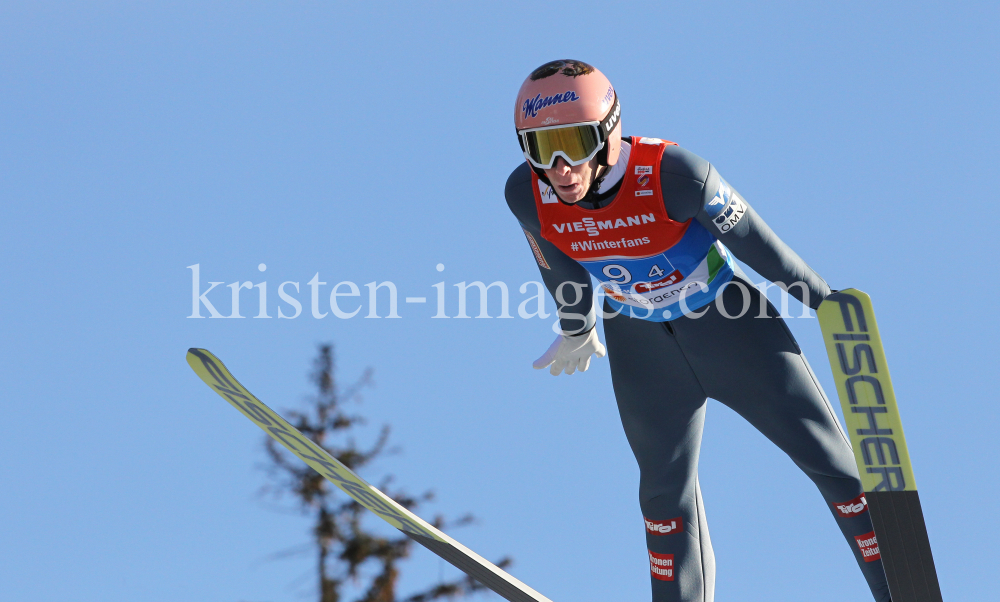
(648,287)
(531,106)
(869,546)
(642,180)
(852,508)
(661,566)
(664,527)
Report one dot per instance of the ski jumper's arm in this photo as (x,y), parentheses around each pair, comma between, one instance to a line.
(690,184)
(576,315)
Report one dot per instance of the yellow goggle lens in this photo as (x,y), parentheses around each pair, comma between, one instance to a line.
(579,143)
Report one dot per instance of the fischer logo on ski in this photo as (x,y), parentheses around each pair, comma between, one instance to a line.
(866,393)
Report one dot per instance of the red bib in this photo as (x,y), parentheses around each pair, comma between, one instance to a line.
(634,224)
(642,258)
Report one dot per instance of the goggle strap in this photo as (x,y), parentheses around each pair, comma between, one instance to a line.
(610,120)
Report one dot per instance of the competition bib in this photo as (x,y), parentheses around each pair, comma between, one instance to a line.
(646,262)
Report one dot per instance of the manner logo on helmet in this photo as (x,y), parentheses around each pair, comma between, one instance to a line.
(531,106)
(664,527)
(852,508)
(869,546)
(661,566)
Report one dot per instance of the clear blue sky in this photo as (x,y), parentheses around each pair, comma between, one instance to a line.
(371,143)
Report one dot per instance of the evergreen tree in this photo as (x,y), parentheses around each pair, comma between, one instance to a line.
(346,550)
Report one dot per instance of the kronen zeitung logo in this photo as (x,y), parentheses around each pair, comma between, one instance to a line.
(868,544)
(661,566)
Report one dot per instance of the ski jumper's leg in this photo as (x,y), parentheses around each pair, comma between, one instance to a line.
(753,365)
(662,407)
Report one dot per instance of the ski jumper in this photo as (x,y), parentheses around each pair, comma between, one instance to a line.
(662,249)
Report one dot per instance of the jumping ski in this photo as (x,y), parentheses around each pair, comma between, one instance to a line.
(876,432)
(211,370)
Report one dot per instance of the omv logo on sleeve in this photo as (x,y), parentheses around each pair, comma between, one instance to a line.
(720,200)
(726,208)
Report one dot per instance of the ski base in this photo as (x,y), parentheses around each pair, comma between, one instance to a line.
(904,545)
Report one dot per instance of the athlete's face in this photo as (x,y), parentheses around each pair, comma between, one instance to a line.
(572,183)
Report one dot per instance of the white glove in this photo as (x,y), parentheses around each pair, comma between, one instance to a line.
(571,353)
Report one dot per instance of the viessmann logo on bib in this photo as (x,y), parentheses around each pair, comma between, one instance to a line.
(593,226)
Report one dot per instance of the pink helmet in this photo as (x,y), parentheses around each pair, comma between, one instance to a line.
(567,92)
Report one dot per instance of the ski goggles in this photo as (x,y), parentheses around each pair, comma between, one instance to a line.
(576,143)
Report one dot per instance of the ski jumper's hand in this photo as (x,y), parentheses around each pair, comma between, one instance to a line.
(571,353)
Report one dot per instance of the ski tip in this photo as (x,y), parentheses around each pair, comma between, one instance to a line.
(196,354)
(845,294)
